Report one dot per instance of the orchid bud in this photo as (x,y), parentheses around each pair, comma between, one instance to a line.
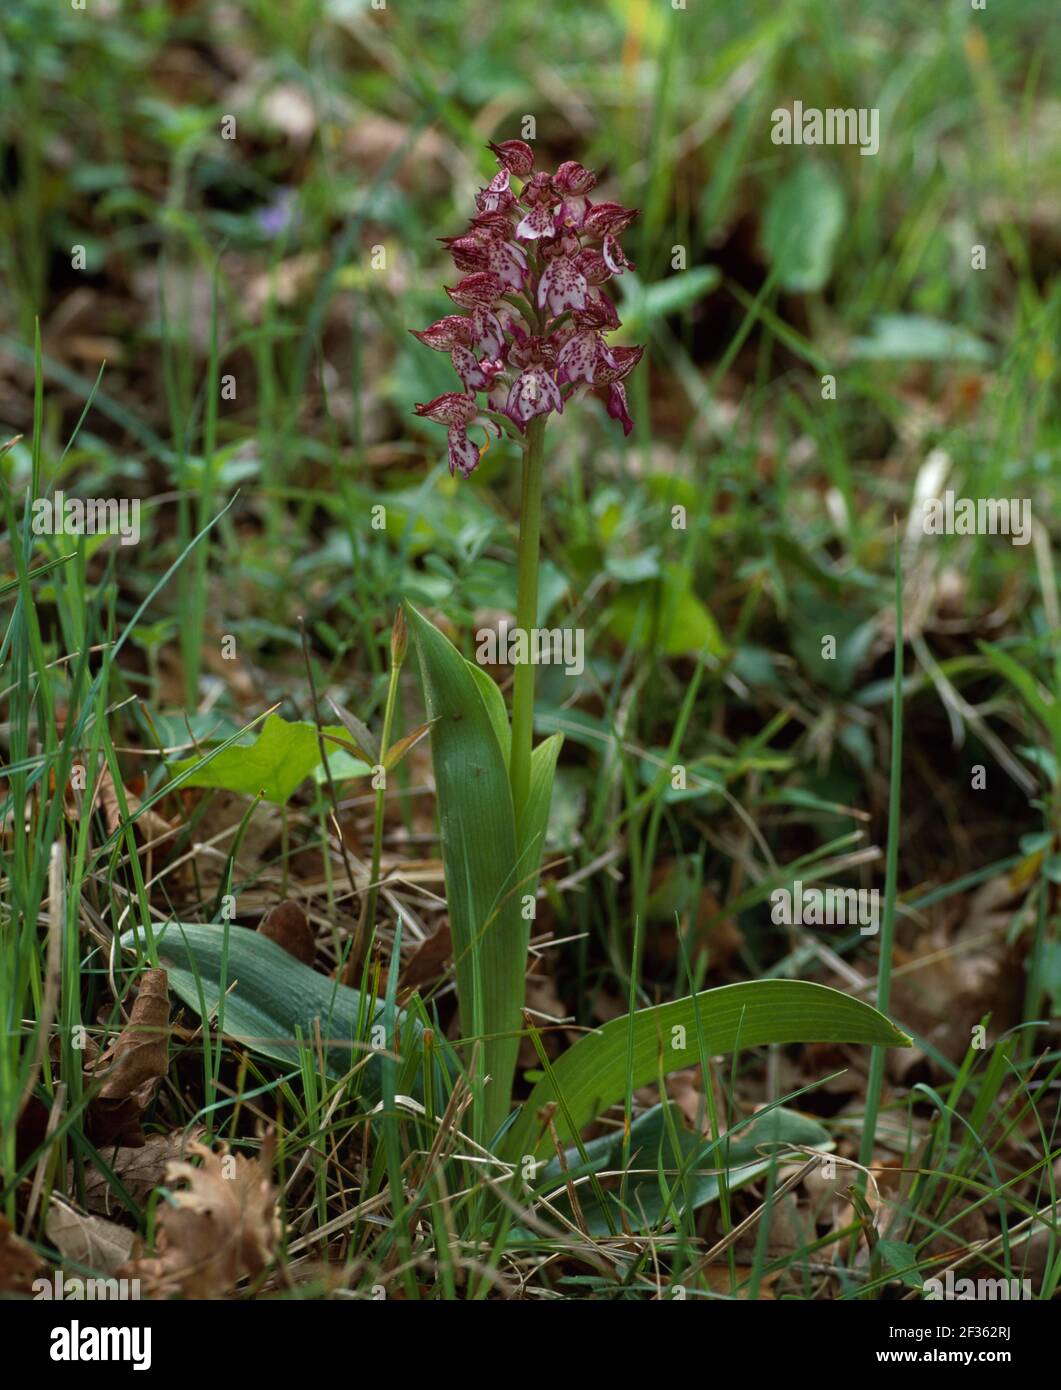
(399,638)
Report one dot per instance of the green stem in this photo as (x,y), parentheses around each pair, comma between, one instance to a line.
(361,952)
(875,1083)
(530,518)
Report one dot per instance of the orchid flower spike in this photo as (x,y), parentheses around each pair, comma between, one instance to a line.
(532,331)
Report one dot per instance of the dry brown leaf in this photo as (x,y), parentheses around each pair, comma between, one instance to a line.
(428,961)
(88,1240)
(219,1229)
(286,924)
(955,977)
(151,825)
(720,1281)
(685,1088)
(218,826)
(19,1263)
(139,1169)
(141,1058)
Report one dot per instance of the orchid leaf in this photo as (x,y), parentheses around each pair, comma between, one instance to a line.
(269,1001)
(478,833)
(633,1051)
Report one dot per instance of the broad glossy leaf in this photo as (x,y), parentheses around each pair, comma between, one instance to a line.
(342,766)
(918,338)
(594,1073)
(280,758)
(685,626)
(661,1139)
(270,997)
(804,218)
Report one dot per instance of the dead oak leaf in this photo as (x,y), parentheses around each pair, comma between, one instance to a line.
(139,1060)
(88,1240)
(19,1263)
(139,1170)
(220,1228)
(152,825)
(428,962)
(286,924)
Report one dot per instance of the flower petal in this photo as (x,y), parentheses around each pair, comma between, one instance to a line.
(496,195)
(477,291)
(508,262)
(599,312)
(617,406)
(491,224)
(608,219)
(614,258)
(561,286)
(540,221)
(451,408)
(469,252)
(538,189)
(590,262)
(453,330)
(618,363)
(578,357)
(514,155)
(487,333)
(463,454)
(571,177)
(534,392)
(476,376)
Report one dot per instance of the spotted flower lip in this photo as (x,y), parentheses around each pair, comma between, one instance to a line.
(581,357)
(540,221)
(533,260)
(561,287)
(534,392)
(476,375)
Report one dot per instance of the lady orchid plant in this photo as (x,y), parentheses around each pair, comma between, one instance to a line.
(532,336)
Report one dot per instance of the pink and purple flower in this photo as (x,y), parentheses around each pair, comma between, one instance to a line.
(532,262)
